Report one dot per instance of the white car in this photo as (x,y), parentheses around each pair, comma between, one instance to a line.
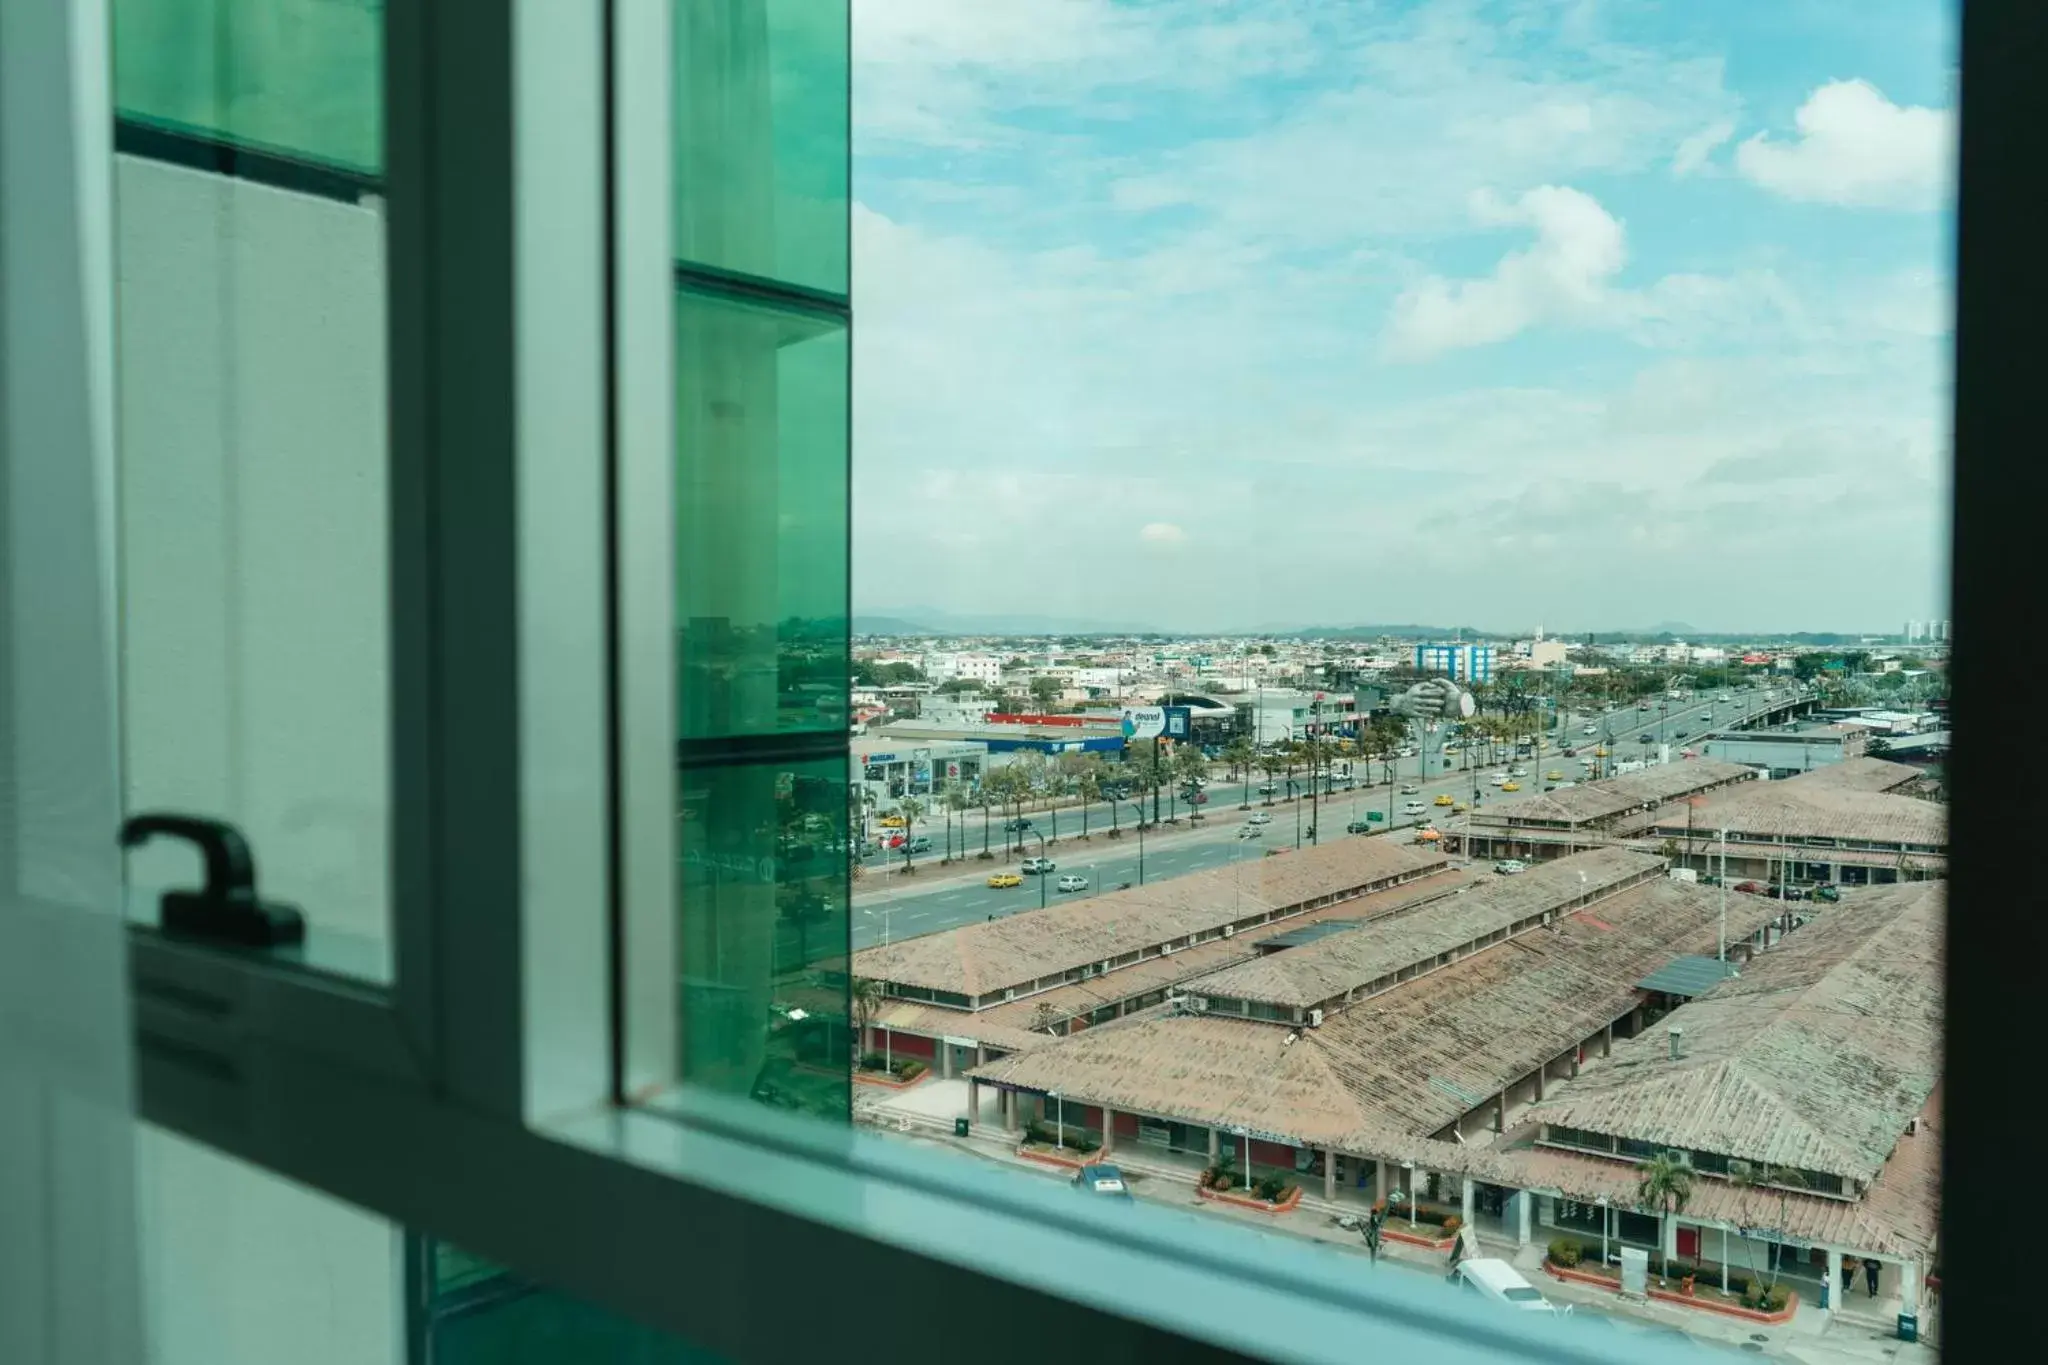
(1073,882)
(1037,867)
(1249,831)
(1501,1282)
(1499,779)
(1258,817)
(1412,808)
(1518,771)
(1508,867)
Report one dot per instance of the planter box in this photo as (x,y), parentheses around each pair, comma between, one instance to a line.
(1709,1305)
(888,1082)
(1418,1238)
(1245,1201)
(1056,1156)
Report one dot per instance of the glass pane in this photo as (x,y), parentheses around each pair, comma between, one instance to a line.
(761,520)
(299,77)
(761,139)
(494,1318)
(1586,366)
(252,514)
(764,932)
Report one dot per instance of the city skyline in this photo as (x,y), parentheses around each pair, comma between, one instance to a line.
(1458,311)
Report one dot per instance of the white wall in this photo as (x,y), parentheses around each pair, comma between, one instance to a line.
(254,685)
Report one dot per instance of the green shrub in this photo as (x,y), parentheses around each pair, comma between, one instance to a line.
(1564,1252)
(873,1061)
(1036,1131)
(1779,1296)
(909,1069)
(1271,1188)
(1081,1142)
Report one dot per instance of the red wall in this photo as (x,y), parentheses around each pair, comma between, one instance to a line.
(1126,1125)
(908,1044)
(1269,1153)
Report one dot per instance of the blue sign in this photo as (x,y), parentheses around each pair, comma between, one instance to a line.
(1178,722)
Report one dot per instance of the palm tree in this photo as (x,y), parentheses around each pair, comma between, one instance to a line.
(982,796)
(910,808)
(865,998)
(1270,764)
(1747,1177)
(1664,1185)
(1240,755)
(954,795)
(1088,782)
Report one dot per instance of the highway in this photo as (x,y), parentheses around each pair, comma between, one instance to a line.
(888,907)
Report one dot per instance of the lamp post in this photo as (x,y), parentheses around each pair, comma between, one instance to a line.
(1059,1127)
(1139,807)
(1409,1167)
(1041,868)
(1604,1216)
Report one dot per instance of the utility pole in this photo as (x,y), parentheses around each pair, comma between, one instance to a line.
(1723,958)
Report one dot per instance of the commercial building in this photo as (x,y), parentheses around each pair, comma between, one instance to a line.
(1814,1073)
(1543,825)
(1787,750)
(892,765)
(1463,662)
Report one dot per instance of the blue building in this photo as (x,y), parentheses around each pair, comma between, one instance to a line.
(1465,663)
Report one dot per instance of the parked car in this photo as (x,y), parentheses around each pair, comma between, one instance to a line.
(1038,867)
(1754,888)
(1358,827)
(1827,893)
(1003,879)
(1501,1282)
(1072,881)
(1101,1178)
(1508,867)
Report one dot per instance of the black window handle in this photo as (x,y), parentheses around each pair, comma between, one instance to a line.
(227,909)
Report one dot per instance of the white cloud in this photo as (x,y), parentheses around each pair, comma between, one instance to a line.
(1692,153)
(1161,533)
(1857,149)
(1564,276)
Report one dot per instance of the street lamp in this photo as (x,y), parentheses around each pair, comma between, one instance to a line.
(1041,868)
(1409,1167)
(1059,1127)
(1139,807)
(1604,1217)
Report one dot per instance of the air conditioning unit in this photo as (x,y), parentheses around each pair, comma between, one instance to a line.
(1196,1003)
(1315,1018)
(1166,948)
(1229,930)
(1912,1125)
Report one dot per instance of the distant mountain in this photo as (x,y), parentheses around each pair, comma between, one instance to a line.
(932,621)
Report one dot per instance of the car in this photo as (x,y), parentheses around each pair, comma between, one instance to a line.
(918,843)
(1016,826)
(893,822)
(1249,831)
(1267,790)
(1258,817)
(1459,808)
(1499,779)
(1101,1178)
(1754,888)
(1358,827)
(1553,776)
(1508,867)
(1443,799)
(1827,893)
(1501,1282)
(1679,734)
(1510,786)
(1571,752)
(1646,739)
(1518,771)
(1412,808)
(1428,835)
(1003,879)
(1409,789)
(1072,881)
(1037,867)
(1590,730)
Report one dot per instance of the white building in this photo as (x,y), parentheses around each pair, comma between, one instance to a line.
(981,668)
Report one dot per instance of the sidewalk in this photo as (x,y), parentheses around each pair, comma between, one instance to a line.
(1813,1336)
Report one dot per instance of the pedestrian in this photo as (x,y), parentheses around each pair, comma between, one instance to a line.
(1848,1274)
(1870,1275)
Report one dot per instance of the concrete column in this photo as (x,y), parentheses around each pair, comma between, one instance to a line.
(1500,1115)
(1108,1130)
(945,1060)
(973,1101)
(1539,1081)
(1834,1294)
(980,1055)
(1607,1040)
(1009,1103)
(1329,1173)
(1379,1181)
(1575,1063)
(1522,1202)
(1215,1147)
(1470,1197)
(1909,1287)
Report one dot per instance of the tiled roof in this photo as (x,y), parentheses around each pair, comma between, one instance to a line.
(1403,1064)
(976,959)
(1321,971)
(1858,774)
(1590,803)
(1800,810)
(1815,1057)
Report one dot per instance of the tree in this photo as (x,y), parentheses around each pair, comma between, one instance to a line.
(1189,764)
(954,687)
(1749,1177)
(1663,1186)
(1089,784)
(1044,692)
(910,808)
(865,996)
(1240,756)
(954,796)
(1272,763)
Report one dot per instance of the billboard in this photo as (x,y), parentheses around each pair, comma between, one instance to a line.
(1178,724)
(1144,722)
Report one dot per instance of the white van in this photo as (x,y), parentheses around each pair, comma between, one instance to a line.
(1501,1281)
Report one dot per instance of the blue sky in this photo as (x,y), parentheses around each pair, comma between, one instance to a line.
(1574,313)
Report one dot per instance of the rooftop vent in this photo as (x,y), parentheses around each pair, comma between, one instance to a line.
(1677,1036)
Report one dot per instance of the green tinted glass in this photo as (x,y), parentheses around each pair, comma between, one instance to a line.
(303,78)
(764,940)
(761,139)
(761,519)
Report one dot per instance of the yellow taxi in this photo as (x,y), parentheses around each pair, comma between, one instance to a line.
(1553,776)
(1444,799)
(1001,879)
(1510,786)
(1459,808)
(892,822)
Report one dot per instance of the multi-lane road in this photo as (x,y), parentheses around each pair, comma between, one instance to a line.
(889,907)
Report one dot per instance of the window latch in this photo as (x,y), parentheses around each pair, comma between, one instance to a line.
(226,909)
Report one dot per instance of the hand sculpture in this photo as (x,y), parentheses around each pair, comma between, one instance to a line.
(1433,699)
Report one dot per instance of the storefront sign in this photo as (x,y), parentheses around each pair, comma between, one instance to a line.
(1144,722)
